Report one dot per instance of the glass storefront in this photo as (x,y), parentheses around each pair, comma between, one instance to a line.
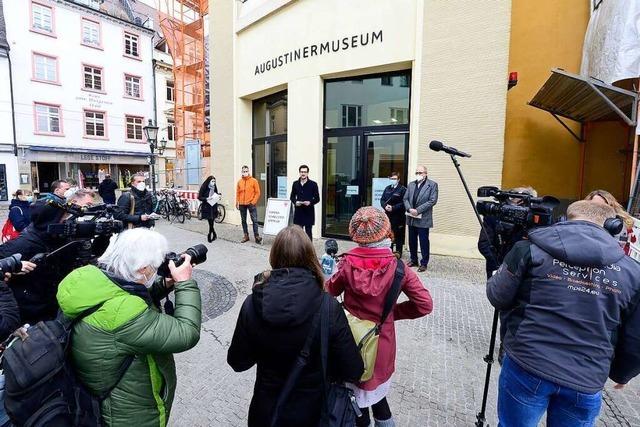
(366,138)
(270,148)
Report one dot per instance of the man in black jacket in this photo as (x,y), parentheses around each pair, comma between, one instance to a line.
(107,190)
(36,292)
(571,300)
(136,205)
(392,201)
(304,196)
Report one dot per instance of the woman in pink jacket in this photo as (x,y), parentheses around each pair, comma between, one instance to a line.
(365,274)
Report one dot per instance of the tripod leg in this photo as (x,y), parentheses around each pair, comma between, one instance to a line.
(481,416)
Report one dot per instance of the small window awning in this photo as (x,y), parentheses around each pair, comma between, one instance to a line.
(585,99)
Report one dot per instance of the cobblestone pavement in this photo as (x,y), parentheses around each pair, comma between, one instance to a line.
(439,369)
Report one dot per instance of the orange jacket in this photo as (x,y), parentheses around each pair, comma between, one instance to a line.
(247,191)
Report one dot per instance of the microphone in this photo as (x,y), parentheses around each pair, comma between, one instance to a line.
(439,146)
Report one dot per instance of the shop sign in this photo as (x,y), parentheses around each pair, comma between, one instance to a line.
(319,49)
(95,157)
(276,216)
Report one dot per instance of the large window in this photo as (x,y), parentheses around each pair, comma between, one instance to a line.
(131,45)
(90,33)
(48,119)
(134,128)
(41,18)
(92,78)
(45,68)
(132,86)
(94,124)
(373,101)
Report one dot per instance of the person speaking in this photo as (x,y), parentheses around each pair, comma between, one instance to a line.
(304,196)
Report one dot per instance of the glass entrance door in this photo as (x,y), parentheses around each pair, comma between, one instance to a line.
(386,154)
(270,169)
(343,182)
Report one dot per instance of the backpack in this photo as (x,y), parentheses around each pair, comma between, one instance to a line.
(366,332)
(9,232)
(41,387)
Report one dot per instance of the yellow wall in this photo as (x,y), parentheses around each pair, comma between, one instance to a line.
(545,34)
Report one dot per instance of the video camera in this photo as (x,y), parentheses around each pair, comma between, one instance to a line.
(100,223)
(519,209)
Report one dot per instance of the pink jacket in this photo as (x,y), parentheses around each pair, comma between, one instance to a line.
(365,275)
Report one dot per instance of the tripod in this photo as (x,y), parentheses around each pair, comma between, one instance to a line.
(481,416)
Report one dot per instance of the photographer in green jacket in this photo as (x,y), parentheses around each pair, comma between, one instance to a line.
(125,348)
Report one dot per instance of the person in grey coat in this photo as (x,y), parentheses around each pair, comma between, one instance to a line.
(419,200)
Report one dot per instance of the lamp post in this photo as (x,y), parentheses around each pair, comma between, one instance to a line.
(151,132)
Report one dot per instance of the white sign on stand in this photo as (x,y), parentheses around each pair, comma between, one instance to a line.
(276,216)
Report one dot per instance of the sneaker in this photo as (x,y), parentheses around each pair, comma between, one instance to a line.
(245,238)
(422,268)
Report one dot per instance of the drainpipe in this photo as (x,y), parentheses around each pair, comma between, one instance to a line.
(13,108)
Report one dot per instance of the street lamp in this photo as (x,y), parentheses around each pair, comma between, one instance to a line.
(151,132)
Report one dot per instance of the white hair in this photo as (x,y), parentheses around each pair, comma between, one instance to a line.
(133,250)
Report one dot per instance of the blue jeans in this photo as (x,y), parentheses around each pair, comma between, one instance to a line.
(423,234)
(253,213)
(523,398)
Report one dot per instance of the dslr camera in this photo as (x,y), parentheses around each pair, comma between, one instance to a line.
(198,256)
(518,209)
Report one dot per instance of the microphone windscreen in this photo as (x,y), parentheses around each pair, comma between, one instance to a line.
(435,145)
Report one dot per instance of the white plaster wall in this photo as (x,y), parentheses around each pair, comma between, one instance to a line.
(71,55)
(6,136)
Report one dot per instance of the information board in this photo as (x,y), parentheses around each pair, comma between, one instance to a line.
(276,216)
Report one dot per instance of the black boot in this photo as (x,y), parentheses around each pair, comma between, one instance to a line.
(210,237)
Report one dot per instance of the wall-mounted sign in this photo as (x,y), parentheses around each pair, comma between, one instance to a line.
(282,187)
(318,49)
(353,190)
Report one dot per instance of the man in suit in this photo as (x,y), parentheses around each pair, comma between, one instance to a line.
(419,200)
(392,201)
(304,195)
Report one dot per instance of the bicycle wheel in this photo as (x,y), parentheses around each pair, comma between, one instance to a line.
(166,209)
(161,209)
(222,212)
(180,216)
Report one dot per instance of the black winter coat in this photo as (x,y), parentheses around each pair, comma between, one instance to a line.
(272,327)
(394,196)
(304,215)
(208,211)
(9,313)
(107,190)
(36,292)
(143,206)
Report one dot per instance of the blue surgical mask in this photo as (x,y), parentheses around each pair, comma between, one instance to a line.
(29,199)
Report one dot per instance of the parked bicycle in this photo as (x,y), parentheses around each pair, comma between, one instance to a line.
(171,206)
(221,214)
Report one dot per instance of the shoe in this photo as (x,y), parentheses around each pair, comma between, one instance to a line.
(245,238)
(215,236)
(209,237)
(259,240)
(412,264)
(384,423)
(422,268)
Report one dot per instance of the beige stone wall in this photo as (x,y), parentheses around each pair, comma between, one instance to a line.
(463,84)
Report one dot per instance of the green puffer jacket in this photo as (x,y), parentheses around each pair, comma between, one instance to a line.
(127,325)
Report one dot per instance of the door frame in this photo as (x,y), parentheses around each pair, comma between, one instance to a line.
(270,184)
(363,133)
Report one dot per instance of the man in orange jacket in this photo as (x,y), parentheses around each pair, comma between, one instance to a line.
(247,195)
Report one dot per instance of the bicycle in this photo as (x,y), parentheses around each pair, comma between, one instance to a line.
(221,211)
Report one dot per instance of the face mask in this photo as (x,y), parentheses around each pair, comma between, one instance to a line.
(29,198)
(419,178)
(68,193)
(140,186)
(148,282)
(393,182)
(245,174)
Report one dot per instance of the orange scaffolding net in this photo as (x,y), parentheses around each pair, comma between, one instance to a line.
(183,26)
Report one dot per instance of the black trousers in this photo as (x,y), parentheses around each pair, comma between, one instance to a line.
(307,229)
(381,411)
(398,237)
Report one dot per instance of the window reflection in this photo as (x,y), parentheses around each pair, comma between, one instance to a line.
(270,115)
(376,101)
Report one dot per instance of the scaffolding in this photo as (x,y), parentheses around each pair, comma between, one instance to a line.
(183,26)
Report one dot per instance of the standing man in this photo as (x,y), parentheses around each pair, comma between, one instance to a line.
(107,190)
(304,195)
(247,196)
(136,205)
(392,201)
(419,200)
(571,304)
(59,190)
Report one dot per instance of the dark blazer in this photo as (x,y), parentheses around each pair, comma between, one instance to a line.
(208,211)
(427,198)
(271,330)
(304,215)
(394,196)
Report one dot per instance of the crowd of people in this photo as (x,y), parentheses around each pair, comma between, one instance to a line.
(323,339)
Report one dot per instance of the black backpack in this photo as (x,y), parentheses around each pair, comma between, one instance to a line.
(41,387)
